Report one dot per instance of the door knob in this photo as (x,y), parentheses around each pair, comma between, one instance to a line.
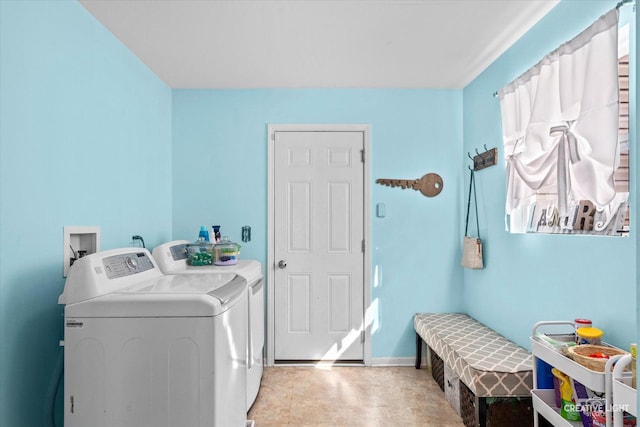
(282,264)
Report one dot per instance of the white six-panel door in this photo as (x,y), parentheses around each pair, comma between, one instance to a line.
(318,205)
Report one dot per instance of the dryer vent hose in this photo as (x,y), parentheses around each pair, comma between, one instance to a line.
(54,385)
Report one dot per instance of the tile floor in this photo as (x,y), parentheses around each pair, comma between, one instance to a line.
(351,396)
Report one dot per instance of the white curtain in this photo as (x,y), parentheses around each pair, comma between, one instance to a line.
(560,123)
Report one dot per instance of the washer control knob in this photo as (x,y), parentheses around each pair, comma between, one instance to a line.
(132,263)
(282,264)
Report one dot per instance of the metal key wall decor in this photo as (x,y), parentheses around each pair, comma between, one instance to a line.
(430,184)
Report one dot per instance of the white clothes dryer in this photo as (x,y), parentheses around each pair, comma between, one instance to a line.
(172,259)
(146,349)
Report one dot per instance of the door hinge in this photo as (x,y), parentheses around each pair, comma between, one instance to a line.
(362,156)
(362,245)
(362,335)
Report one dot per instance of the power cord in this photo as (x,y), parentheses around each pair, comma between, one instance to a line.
(136,237)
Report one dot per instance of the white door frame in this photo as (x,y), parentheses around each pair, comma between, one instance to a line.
(270,266)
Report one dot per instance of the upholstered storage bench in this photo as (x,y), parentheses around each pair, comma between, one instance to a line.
(495,375)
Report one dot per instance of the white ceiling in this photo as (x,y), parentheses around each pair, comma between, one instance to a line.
(318,43)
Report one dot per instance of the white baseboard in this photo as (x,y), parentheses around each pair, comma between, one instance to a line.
(375,361)
(393,361)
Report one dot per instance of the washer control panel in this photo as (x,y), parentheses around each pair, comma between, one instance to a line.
(125,265)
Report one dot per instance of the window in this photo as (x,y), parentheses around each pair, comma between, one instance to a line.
(565,130)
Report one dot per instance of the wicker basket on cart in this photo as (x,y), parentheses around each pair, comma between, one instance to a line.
(585,355)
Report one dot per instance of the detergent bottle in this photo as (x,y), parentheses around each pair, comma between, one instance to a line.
(203,236)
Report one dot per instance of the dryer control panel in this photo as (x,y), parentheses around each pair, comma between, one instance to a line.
(179,252)
(126,264)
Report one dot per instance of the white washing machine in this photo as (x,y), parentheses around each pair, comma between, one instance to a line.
(146,349)
(172,259)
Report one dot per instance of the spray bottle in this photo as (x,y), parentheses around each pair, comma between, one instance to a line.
(216,233)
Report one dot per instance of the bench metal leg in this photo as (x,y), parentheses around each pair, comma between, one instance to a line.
(481,411)
(418,350)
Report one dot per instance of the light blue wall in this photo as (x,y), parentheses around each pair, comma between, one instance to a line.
(544,277)
(220,176)
(85,139)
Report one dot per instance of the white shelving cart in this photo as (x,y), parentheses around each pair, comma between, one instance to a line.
(544,399)
(623,395)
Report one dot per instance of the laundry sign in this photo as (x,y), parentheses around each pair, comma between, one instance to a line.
(582,217)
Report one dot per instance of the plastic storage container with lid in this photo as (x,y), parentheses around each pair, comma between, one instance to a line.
(581,323)
(226,252)
(589,336)
(200,253)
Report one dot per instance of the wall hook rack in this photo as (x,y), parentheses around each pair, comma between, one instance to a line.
(430,184)
(489,157)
